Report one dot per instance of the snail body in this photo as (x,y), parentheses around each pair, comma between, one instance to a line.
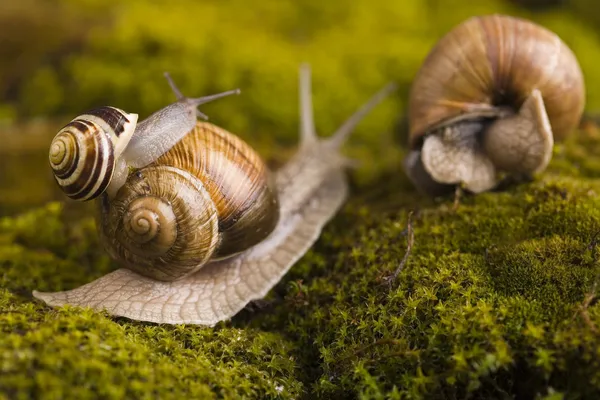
(205,227)
(491,98)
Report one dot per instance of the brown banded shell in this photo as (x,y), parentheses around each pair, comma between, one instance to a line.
(496,61)
(83,153)
(209,197)
(211,184)
(82,158)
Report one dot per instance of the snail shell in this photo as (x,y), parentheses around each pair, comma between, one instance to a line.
(491,97)
(209,197)
(205,228)
(83,154)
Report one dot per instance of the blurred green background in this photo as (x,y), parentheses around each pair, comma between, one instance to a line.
(59,58)
(490,301)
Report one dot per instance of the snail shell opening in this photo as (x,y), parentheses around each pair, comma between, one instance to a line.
(490,64)
(162,223)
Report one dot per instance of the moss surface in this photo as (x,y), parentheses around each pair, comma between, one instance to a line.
(489,304)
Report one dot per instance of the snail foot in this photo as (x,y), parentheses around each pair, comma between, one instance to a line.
(454,156)
(521,143)
(424,182)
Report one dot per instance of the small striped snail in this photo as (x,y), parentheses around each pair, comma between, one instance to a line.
(93,153)
(491,99)
(206,228)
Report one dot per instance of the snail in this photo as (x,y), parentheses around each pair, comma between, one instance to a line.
(205,228)
(489,101)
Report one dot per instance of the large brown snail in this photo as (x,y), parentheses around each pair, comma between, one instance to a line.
(198,222)
(491,99)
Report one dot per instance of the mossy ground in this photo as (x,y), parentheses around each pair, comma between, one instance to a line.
(491,303)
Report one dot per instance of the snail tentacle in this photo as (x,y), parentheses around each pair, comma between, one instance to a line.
(308,134)
(195,102)
(158,133)
(341,134)
(311,188)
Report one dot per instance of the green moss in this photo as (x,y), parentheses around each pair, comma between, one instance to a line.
(74,354)
(459,318)
(70,353)
(489,304)
(109,53)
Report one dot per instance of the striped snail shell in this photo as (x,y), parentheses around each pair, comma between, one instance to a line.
(93,153)
(206,228)
(83,154)
(491,98)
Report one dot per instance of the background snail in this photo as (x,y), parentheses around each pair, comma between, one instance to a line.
(205,228)
(490,99)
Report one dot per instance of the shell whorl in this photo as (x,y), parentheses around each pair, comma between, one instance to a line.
(82,158)
(308,191)
(209,197)
(238,181)
(495,61)
(84,152)
(161,224)
(150,224)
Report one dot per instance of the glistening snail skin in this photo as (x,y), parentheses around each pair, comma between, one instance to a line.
(491,98)
(206,228)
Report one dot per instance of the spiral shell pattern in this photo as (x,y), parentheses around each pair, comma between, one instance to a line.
(161,224)
(83,153)
(208,198)
(238,181)
(82,158)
